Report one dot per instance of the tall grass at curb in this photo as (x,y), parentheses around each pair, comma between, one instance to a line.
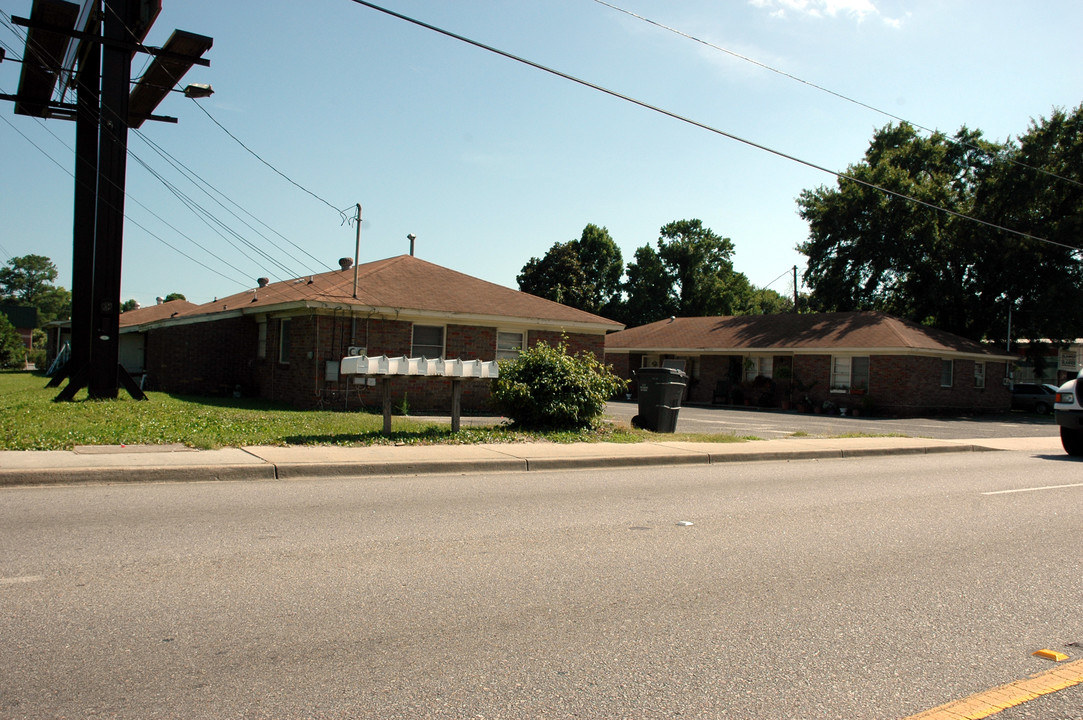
(30,420)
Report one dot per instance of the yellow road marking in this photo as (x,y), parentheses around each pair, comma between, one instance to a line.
(993,700)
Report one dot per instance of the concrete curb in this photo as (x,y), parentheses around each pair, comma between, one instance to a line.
(141,474)
(274,463)
(297,471)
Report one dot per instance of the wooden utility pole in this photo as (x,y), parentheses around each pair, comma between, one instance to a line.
(795,288)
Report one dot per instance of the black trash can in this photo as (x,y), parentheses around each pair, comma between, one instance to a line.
(660,393)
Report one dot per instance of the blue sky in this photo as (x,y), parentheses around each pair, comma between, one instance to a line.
(489,162)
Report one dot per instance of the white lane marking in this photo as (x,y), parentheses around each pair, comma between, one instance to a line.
(23,579)
(1033,489)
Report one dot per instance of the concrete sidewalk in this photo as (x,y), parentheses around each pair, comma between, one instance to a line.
(149,463)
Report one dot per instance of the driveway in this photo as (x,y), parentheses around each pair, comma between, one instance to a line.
(770,424)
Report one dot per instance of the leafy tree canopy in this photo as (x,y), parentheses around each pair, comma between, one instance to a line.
(583,273)
(12,347)
(28,280)
(689,274)
(174,296)
(868,250)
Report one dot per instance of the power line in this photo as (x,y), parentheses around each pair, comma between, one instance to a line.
(195,207)
(704,126)
(839,95)
(254,154)
(127,217)
(203,186)
(200,211)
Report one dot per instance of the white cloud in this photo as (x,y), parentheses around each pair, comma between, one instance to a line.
(858,9)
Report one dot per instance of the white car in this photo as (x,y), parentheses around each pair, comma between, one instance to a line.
(1069,414)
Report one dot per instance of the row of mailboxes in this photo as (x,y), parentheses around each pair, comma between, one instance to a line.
(425,367)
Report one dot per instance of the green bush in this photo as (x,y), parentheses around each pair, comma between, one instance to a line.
(546,388)
(12,349)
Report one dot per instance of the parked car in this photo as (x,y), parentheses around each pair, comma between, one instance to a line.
(1069,416)
(1033,397)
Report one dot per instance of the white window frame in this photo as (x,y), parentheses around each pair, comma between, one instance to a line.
(414,345)
(979,373)
(756,365)
(949,366)
(505,351)
(842,373)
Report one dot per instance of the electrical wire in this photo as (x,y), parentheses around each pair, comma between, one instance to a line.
(136,201)
(203,214)
(105,128)
(847,98)
(126,216)
(709,128)
(176,82)
(256,155)
(197,180)
(788,271)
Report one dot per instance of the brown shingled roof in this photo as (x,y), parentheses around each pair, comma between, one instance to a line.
(154,313)
(820,331)
(407,283)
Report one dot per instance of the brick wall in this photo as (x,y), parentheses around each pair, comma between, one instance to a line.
(213,358)
(576,342)
(202,359)
(911,385)
(898,385)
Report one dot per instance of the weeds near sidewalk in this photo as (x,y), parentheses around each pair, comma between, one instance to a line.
(30,420)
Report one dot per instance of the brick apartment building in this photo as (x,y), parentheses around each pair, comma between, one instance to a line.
(283,341)
(858,360)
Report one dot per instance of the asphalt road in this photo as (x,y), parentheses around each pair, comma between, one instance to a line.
(863,588)
(769,424)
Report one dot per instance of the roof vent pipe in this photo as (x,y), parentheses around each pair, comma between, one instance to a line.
(411,237)
(345,263)
(262,282)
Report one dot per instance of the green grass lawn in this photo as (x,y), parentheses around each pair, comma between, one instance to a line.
(30,420)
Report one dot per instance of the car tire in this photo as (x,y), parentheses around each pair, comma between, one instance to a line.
(1042,408)
(1072,440)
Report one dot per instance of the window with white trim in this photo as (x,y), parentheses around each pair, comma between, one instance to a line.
(979,374)
(428,341)
(947,373)
(509,345)
(849,373)
(756,366)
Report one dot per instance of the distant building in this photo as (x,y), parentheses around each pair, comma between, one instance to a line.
(25,319)
(855,360)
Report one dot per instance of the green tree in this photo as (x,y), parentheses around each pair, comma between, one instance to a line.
(12,347)
(690,274)
(868,250)
(28,280)
(764,301)
(603,267)
(649,290)
(131,304)
(557,276)
(583,273)
(174,296)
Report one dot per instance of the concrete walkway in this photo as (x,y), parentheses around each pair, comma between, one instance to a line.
(161,463)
